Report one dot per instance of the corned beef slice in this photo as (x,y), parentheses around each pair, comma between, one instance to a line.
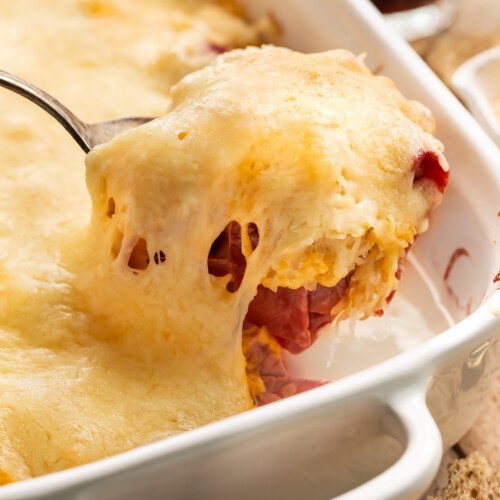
(427,166)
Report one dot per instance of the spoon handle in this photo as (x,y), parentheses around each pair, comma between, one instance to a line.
(63,115)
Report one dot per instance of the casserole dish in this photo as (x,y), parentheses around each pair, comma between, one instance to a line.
(332,439)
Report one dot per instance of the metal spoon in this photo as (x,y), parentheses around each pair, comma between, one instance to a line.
(87,135)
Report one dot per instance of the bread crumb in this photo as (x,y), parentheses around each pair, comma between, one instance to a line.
(471,477)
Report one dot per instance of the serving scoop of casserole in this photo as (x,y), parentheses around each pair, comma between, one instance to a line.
(319,175)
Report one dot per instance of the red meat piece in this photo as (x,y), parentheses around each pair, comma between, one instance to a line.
(295,316)
(264,361)
(427,166)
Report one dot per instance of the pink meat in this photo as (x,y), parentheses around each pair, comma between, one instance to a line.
(295,316)
(226,258)
(268,365)
(322,300)
(285,313)
(427,166)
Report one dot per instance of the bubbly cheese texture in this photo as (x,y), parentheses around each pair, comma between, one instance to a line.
(72,391)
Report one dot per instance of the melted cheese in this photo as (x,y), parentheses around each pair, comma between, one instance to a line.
(70,390)
(100,352)
(313,149)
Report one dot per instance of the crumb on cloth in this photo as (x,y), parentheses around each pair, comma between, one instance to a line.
(471,477)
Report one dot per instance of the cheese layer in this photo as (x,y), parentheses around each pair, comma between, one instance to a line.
(71,391)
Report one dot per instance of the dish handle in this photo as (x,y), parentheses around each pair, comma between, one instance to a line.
(415,470)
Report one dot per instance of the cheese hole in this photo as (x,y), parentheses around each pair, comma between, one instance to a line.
(182,135)
(226,258)
(139,258)
(253,234)
(159,257)
(116,244)
(110,208)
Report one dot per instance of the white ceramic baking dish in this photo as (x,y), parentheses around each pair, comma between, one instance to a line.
(378,433)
